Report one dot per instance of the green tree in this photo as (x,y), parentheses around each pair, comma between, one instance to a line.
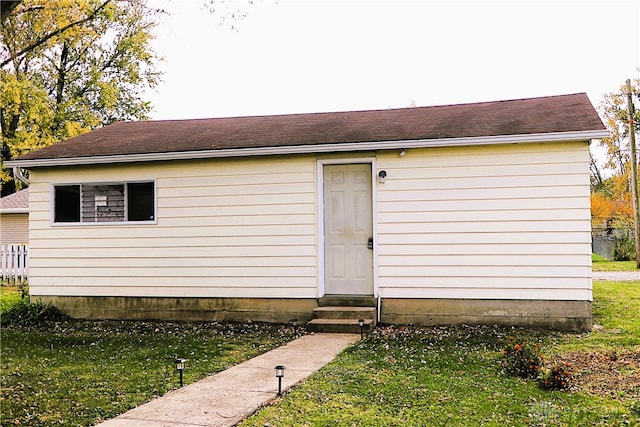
(611,197)
(71,66)
(613,110)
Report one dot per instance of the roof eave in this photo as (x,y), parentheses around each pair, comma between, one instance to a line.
(14,210)
(317,148)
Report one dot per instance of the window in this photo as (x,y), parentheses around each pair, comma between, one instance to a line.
(67,203)
(112,202)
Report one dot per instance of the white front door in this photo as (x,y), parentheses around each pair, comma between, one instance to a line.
(348,230)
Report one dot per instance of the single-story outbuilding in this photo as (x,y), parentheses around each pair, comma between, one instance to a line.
(14,218)
(475,213)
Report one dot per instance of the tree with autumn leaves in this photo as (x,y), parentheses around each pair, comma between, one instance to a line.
(611,191)
(67,67)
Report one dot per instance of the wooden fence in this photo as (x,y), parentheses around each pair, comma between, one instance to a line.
(14,263)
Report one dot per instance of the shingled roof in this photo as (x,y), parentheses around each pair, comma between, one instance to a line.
(17,202)
(547,115)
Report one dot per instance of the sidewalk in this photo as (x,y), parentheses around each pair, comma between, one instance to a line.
(227,397)
(616,275)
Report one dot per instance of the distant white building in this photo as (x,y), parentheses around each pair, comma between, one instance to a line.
(14,218)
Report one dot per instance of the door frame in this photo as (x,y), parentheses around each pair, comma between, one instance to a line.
(320,211)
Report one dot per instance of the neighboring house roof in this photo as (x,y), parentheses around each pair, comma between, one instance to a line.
(554,118)
(15,203)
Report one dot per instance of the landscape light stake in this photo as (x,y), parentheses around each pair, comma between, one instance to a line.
(361,324)
(279,375)
(180,367)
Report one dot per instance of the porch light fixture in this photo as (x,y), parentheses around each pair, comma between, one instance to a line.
(381,176)
(361,325)
(180,367)
(279,374)
(403,152)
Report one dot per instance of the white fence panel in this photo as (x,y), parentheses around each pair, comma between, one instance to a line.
(14,263)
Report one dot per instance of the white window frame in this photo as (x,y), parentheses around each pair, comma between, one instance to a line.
(52,209)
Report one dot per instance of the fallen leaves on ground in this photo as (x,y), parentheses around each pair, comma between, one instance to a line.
(607,373)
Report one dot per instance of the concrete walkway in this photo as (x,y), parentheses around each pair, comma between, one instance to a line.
(227,397)
(618,276)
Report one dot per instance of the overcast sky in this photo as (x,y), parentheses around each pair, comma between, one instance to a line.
(312,56)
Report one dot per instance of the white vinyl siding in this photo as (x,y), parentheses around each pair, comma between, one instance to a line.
(225,228)
(493,222)
(480,222)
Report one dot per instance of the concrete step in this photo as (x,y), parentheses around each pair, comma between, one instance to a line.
(339,326)
(342,319)
(347,301)
(345,313)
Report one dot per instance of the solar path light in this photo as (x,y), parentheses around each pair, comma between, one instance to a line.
(279,375)
(361,324)
(180,367)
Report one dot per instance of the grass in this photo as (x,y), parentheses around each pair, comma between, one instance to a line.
(616,308)
(416,376)
(599,263)
(9,296)
(76,373)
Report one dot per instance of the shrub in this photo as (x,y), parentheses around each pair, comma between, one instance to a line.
(27,313)
(522,358)
(624,249)
(558,377)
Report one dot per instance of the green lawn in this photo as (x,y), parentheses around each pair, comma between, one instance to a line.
(75,373)
(599,263)
(416,376)
(9,296)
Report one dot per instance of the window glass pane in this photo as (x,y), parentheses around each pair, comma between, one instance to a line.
(67,203)
(103,203)
(140,201)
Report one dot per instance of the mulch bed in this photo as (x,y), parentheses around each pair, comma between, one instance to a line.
(612,374)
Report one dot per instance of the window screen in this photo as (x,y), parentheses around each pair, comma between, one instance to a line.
(103,203)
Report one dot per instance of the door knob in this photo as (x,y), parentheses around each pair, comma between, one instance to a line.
(370,243)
